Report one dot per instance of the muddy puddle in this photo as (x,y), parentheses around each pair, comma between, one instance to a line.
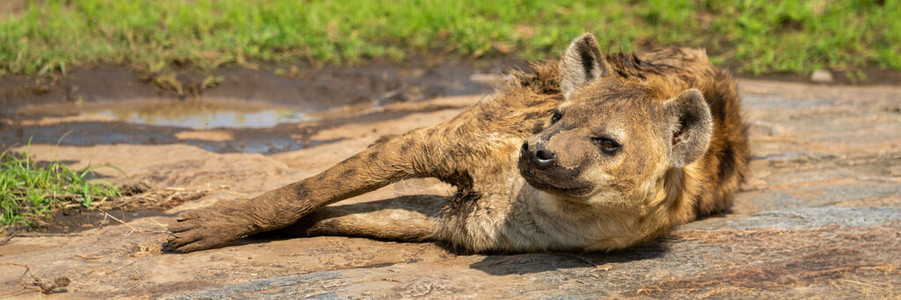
(205,114)
(216,125)
(219,125)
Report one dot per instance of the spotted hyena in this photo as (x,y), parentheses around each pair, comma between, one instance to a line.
(596,152)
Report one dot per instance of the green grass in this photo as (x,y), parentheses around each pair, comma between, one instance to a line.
(753,37)
(29,191)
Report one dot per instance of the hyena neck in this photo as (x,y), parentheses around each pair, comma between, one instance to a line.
(618,225)
(573,224)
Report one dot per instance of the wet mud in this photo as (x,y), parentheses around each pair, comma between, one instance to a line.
(252,111)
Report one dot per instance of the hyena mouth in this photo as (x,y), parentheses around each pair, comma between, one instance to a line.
(546,180)
(558,190)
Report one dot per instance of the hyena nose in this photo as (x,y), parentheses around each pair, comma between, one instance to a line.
(544,157)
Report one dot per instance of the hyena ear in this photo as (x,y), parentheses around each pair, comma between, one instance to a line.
(581,64)
(689,127)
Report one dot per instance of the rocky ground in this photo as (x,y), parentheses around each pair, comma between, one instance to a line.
(820,217)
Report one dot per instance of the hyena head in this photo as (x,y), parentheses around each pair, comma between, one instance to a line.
(612,141)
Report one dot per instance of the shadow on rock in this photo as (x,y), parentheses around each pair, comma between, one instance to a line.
(529,263)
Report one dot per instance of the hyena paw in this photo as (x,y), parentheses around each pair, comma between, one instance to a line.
(204,229)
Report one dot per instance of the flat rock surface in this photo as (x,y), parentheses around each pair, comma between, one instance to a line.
(819,217)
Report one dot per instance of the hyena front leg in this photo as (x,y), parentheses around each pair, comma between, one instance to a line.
(404,219)
(416,154)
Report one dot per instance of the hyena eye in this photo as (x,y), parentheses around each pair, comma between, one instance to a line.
(557,116)
(607,145)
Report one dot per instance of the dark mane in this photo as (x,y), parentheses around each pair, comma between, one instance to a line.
(543,79)
(629,65)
